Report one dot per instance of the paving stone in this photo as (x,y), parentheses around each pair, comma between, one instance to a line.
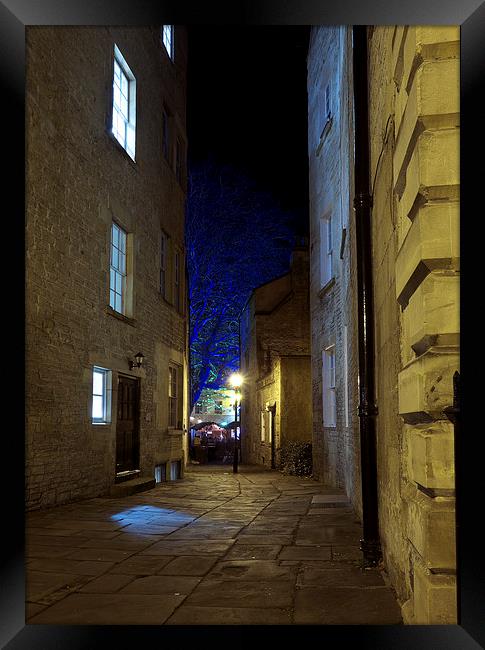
(337,576)
(348,552)
(189,566)
(31,609)
(39,584)
(264,540)
(200,615)
(193,547)
(252,570)
(99,554)
(33,541)
(50,552)
(241,593)
(330,498)
(109,609)
(70,566)
(305,553)
(346,606)
(253,551)
(148,529)
(162,584)
(108,583)
(141,565)
(329,535)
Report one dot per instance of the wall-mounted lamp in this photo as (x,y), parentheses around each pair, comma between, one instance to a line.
(138,362)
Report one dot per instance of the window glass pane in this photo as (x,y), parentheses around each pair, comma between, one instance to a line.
(112,299)
(124,107)
(122,263)
(124,85)
(118,283)
(122,243)
(97,407)
(118,305)
(114,257)
(98,383)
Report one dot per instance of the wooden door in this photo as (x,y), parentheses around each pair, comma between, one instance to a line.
(127,425)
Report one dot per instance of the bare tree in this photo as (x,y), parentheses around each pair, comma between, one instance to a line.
(237,238)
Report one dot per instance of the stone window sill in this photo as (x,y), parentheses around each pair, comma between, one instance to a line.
(326,287)
(323,135)
(126,319)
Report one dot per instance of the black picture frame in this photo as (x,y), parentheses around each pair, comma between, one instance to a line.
(14,16)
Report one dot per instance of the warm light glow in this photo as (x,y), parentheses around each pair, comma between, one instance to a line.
(236,379)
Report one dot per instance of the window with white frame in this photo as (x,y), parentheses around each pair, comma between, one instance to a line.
(163,264)
(328,387)
(118,269)
(326,250)
(175,396)
(168,39)
(101,396)
(124,104)
(263,426)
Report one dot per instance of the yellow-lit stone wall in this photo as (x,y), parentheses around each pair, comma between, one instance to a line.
(414,136)
(275,362)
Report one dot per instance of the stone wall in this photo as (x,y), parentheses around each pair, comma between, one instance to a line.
(414,109)
(414,144)
(333,304)
(78,180)
(275,347)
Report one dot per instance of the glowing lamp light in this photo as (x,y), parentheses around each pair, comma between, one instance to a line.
(235,380)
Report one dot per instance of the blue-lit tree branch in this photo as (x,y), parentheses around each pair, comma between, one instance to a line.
(237,238)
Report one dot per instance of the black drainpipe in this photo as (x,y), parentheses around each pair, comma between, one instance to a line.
(370,543)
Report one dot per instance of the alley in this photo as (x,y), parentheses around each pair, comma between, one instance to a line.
(256,547)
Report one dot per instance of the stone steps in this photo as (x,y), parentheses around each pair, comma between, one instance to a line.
(132,486)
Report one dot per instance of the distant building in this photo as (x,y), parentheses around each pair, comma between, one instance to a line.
(214,406)
(413,144)
(275,363)
(105,268)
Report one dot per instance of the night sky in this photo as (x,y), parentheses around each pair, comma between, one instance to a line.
(247,106)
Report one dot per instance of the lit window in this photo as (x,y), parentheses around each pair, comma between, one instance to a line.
(328,385)
(326,250)
(118,274)
(124,104)
(175,395)
(101,404)
(163,264)
(167,39)
(263,426)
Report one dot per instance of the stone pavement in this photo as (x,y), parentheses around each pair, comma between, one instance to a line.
(219,548)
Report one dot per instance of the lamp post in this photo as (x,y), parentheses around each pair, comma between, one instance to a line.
(235,380)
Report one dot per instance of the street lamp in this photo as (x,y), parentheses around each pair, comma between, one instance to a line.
(235,381)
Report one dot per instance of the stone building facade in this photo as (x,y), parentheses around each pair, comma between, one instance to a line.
(275,364)
(413,99)
(105,270)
